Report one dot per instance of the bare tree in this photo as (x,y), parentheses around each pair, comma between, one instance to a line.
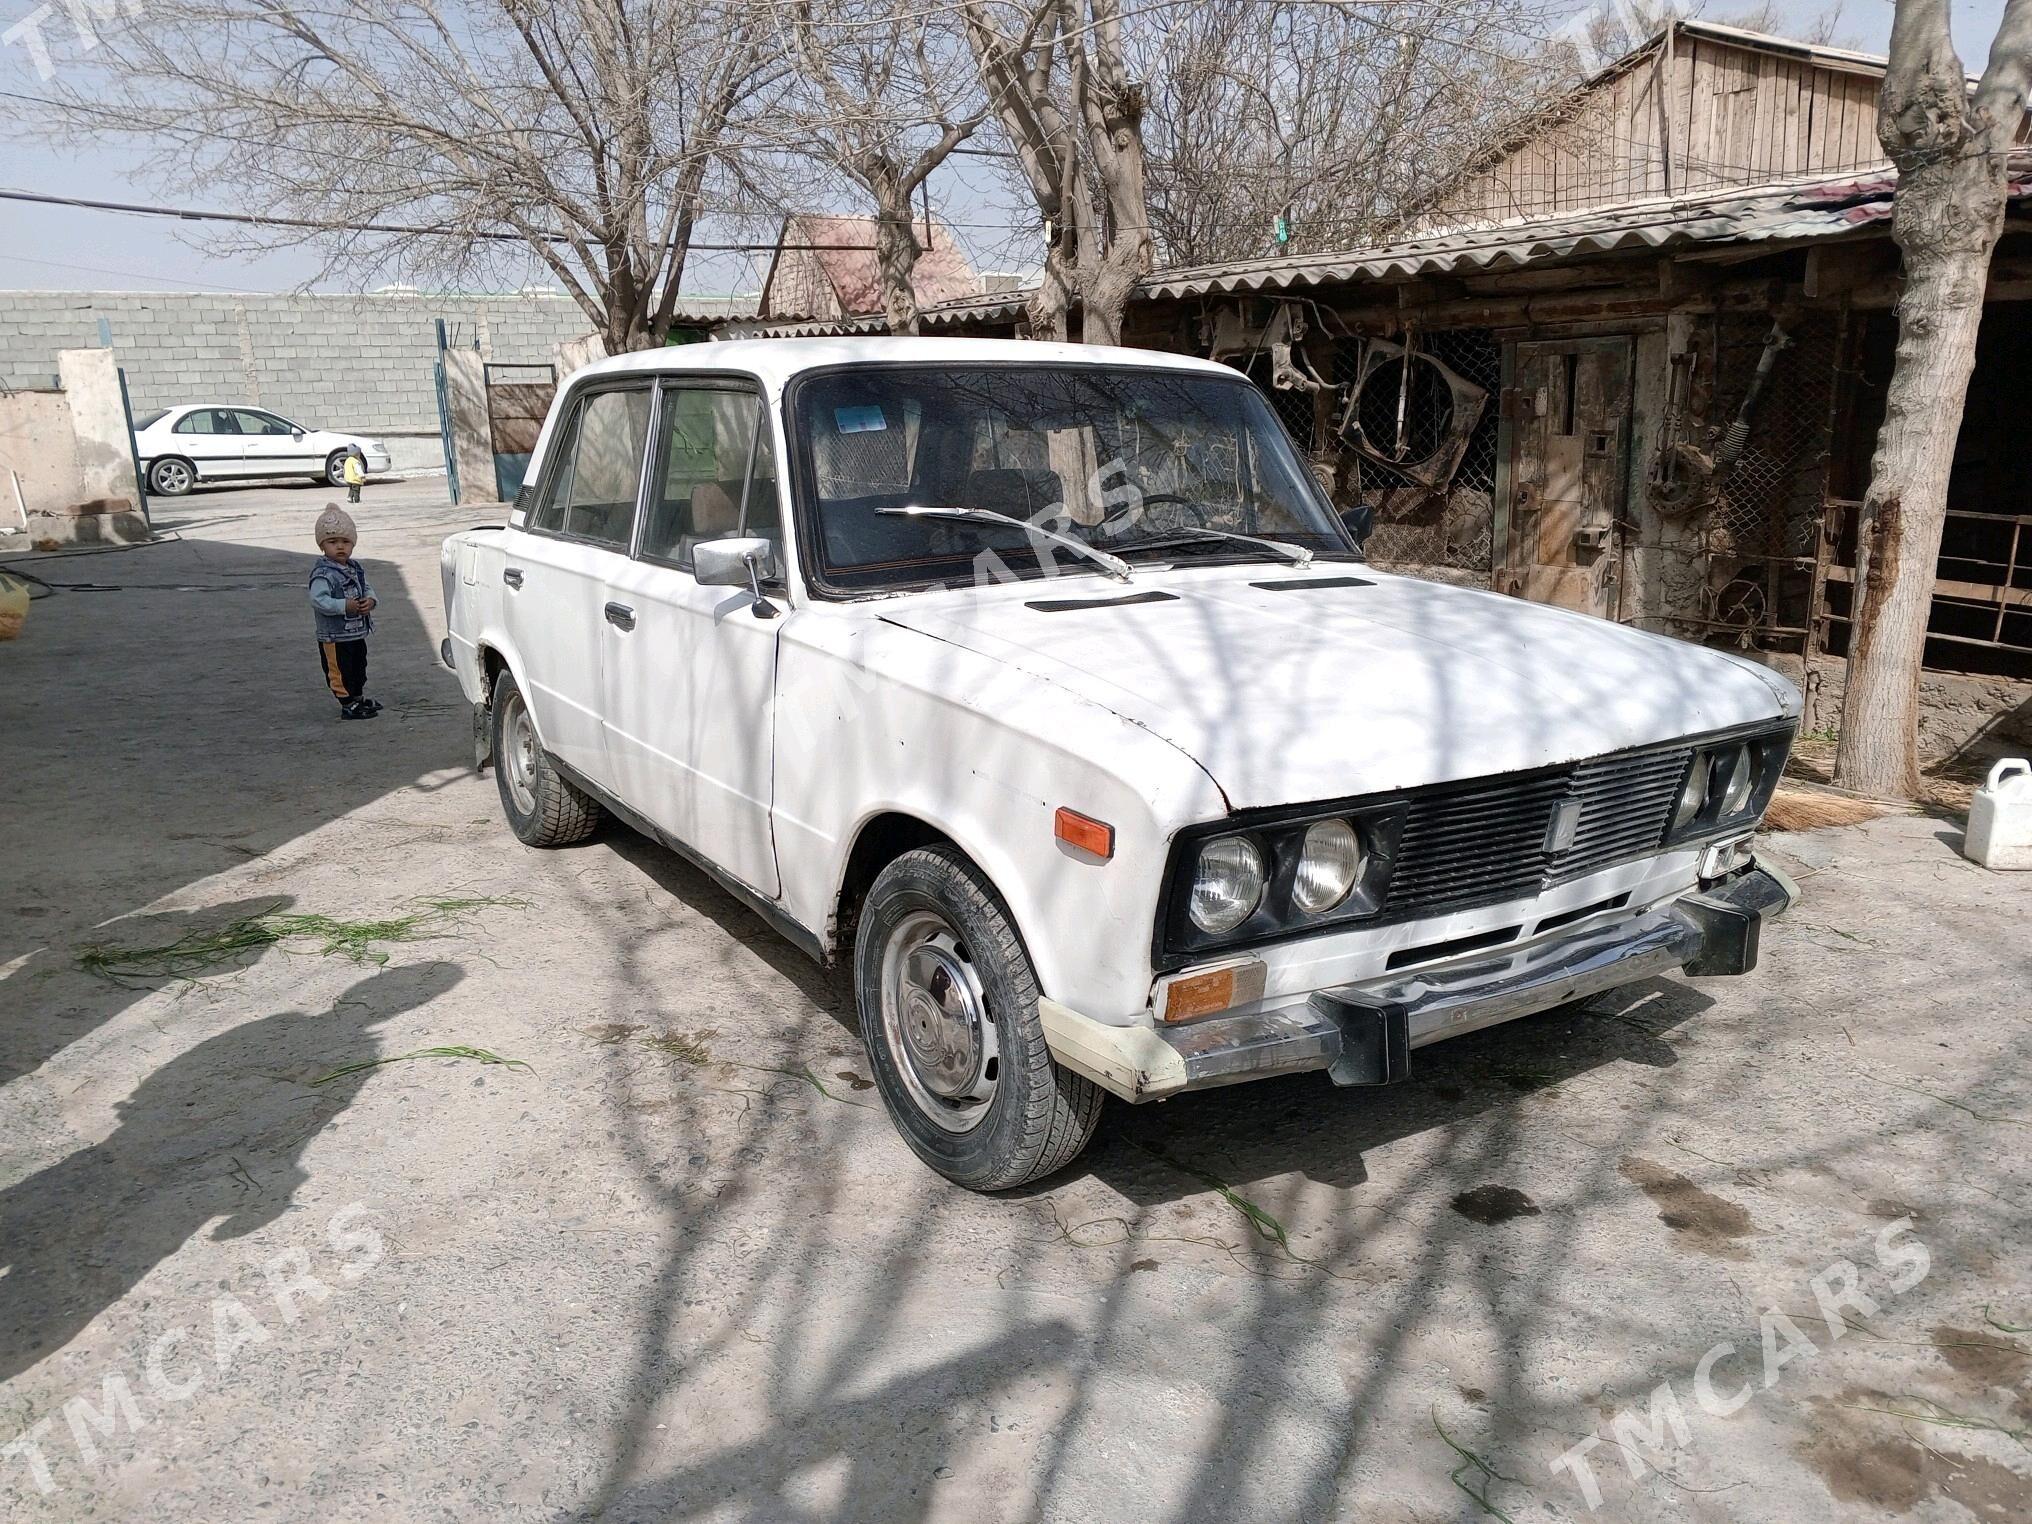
(1332,120)
(589,132)
(886,90)
(1950,146)
(1057,80)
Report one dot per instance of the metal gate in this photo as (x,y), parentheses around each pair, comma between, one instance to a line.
(518,400)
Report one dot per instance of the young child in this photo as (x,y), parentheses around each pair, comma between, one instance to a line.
(343,606)
(355,473)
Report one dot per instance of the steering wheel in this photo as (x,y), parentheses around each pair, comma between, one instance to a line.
(1185,514)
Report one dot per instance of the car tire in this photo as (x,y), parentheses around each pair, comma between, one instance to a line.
(543,807)
(335,469)
(171,476)
(948,1007)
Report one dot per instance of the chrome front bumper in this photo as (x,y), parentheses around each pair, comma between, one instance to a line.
(1363,1034)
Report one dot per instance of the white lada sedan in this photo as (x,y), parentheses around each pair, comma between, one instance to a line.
(1042,683)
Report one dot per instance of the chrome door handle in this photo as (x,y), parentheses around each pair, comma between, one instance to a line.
(620,616)
(512,576)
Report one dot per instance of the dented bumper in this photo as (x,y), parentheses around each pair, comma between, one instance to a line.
(1363,1034)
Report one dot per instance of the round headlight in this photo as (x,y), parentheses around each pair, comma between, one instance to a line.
(1694,795)
(1328,865)
(1227,884)
(1740,775)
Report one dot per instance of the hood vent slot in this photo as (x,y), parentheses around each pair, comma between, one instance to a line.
(1309,584)
(1067,605)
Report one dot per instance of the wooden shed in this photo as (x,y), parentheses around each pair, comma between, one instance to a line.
(1697,108)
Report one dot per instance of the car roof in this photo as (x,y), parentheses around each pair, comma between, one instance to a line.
(776,361)
(237,407)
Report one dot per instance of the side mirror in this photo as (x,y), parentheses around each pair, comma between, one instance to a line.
(296,433)
(740,561)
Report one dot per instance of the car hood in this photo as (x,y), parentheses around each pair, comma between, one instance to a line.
(1290,686)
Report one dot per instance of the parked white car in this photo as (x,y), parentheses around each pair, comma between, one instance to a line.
(182,446)
(1042,683)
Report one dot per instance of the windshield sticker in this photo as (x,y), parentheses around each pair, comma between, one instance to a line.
(859,420)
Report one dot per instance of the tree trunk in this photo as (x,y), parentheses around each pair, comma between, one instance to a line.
(1948,218)
(896,251)
(1947,214)
(1050,305)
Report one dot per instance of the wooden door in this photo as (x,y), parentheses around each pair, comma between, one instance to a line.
(1568,407)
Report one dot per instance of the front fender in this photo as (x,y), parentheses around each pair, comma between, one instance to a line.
(873,719)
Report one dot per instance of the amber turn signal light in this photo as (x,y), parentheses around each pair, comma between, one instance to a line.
(1084,832)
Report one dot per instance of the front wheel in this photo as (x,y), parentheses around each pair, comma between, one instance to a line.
(948,1006)
(335,468)
(542,806)
(171,478)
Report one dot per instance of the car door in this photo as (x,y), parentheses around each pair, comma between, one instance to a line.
(558,566)
(209,437)
(272,446)
(691,672)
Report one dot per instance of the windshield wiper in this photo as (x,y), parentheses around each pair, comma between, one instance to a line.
(1114,566)
(1297,555)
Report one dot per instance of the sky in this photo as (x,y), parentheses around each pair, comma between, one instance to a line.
(55,248)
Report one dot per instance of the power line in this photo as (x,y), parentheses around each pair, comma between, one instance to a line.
(393,229)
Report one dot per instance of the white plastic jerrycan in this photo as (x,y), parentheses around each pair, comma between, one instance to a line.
(2000,819)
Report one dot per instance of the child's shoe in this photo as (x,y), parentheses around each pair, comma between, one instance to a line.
(351,710)
(369,708)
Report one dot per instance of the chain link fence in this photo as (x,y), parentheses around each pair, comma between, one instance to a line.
(1746,477)
(1406,429)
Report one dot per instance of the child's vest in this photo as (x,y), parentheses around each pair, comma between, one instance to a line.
(347,581)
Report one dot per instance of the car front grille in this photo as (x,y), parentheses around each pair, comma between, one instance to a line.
(1494,839)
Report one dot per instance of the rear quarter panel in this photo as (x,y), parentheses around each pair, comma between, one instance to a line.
(469,568)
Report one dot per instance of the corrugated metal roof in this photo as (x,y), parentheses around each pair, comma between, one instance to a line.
(1793,212)
(1804,209)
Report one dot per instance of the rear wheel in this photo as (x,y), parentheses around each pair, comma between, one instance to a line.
(544,809)
(948,1006)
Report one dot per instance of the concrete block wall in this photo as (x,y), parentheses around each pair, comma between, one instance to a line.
(340,361)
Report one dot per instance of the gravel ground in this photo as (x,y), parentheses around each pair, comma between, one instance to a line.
(674,1264)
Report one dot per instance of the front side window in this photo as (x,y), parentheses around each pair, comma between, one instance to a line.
(1139,463)
(264,425)
(717,474)
(591,494)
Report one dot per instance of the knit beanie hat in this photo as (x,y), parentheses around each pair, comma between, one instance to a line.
(335,522)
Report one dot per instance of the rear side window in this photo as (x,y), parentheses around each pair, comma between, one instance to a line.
(591,496)
(717,472)
(208,421)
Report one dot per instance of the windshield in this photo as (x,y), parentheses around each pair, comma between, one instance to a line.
(1133,462)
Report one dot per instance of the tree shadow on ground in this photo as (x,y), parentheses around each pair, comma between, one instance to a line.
(218,1131)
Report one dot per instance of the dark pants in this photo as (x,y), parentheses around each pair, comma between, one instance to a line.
(345,667)
(353,492)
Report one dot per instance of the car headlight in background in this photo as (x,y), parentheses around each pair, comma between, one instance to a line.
(1728,785)
(1736,792)
(1227,884)
(1329,862)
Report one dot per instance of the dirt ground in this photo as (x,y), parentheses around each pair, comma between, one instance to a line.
(673,1263)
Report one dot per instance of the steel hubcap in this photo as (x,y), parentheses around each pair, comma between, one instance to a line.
(519,752)
(936,1019)
(172,478)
